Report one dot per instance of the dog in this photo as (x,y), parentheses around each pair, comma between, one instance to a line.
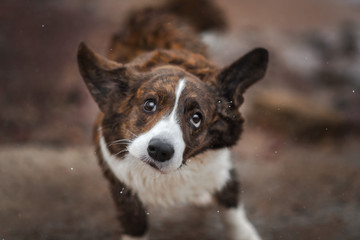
(169,117)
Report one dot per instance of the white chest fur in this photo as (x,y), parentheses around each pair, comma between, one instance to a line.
(194,183)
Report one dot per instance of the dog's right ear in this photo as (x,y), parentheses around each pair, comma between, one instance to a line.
(240,75)
(102,76)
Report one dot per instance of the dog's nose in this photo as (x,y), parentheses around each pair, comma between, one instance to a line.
(160,150)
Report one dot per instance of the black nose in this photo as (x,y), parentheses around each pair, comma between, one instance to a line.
(160,150)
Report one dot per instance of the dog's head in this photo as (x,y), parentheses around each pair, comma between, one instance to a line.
(166,114)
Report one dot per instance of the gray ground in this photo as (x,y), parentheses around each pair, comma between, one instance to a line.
(290,192)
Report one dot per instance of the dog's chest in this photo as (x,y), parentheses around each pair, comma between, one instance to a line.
(194,183)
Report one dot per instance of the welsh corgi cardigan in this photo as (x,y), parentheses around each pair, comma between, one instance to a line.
(169,117)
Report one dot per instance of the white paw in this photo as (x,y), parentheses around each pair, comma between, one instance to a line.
(127,237)
(238,226)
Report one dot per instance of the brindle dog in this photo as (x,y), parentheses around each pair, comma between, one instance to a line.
(169,115)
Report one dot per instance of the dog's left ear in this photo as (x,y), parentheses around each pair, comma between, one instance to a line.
(240,75)
(103,77)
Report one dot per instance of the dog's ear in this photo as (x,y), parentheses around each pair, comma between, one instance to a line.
(240,75)
(102,76)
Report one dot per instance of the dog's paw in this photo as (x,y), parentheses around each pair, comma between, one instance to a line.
(246,232)
(237,225)
(127,237)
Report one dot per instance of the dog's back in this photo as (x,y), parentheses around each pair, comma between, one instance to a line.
(174,25)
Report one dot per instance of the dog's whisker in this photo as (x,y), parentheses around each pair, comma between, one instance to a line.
(122,151)
(119,142)
(122,140)
(191,147)
(109,125)
(116,144)
(131,133)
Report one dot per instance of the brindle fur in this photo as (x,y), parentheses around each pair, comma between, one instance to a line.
(157,48)
(166,27)
(229,195)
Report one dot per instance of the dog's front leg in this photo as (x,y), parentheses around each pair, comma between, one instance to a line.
(236,224)
(131,212)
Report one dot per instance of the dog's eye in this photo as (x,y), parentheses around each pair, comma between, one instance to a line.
(196,119)
(150,105)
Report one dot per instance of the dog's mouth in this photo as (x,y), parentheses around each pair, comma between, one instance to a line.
(151,164)
(155,166)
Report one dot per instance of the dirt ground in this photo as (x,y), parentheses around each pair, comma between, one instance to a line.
(299,157)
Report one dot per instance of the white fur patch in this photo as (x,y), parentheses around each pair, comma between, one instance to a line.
(238,226)
(179,90)
(167,129)
(194,183)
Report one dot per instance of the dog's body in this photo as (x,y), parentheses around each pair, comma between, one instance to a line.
(168,118)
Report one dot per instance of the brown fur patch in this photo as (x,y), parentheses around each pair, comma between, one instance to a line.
(171,26)
(153,28)
(203,15)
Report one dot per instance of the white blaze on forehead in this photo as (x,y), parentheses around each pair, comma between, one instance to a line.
(179,89)
(167,129)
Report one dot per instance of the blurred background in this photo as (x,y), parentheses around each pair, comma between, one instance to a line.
(299,157)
